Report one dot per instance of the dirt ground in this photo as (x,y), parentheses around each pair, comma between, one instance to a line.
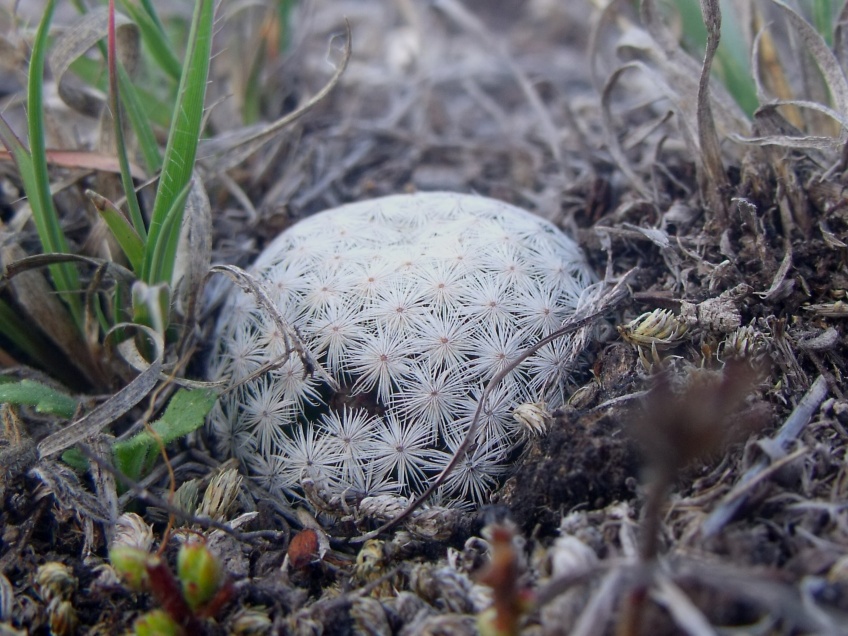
(695,483)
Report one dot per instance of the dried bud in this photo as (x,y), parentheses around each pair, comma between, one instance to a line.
(659,329)
(62,618)
(55,581)
(371,561)
(370,617)
(220,495)
(534,416)
(131,530)
(250,622)
(746,342)
(383,507)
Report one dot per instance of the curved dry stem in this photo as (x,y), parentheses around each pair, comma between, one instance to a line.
(226,152)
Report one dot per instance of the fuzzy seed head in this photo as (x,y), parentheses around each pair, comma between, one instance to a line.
(412,303)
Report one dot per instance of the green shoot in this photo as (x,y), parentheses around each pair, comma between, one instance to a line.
(181,149)
(117,118)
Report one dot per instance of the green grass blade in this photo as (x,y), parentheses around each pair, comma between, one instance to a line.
(139,121)
(120,143)
(823,19)
(165,249)
(53,240)
(181,149)
(45,399)
(129,240)
(154,37)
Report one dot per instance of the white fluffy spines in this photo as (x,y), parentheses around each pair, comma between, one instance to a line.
(412,303)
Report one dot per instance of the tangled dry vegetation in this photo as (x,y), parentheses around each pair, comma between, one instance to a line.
(696,479)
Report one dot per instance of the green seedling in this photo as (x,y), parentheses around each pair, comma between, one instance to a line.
(199,572)
(197,592)
(131,565)
(157,623)
(185,413)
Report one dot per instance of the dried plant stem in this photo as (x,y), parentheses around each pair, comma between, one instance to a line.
(790,430)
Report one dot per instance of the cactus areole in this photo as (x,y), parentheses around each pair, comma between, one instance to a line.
(410,303)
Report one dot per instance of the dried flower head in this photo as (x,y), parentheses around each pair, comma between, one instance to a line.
(412,303)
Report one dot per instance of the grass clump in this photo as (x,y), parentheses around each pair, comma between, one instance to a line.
(138,298)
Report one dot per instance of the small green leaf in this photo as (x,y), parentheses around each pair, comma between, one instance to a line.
(130,563)
(74,458)
(131,243)
(45,399)
(156,623)
(186,413)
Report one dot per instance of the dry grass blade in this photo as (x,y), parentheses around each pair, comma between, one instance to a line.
(74,42)
(105,485)
(116,271)
(227,151)
(684,73)
(85,160)
(790,430)
(768,72)
(825,59)
(113,408)
(781,601)
(596,615)
(687,616)
(69,492)
(714,182)
(808,142)
(613,144)
(777,285)
(194,255)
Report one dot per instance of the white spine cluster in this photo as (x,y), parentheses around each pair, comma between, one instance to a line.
(412,303)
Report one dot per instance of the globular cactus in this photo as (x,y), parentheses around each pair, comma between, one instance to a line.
(411,303)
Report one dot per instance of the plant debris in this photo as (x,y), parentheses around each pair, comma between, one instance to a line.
(693,482)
